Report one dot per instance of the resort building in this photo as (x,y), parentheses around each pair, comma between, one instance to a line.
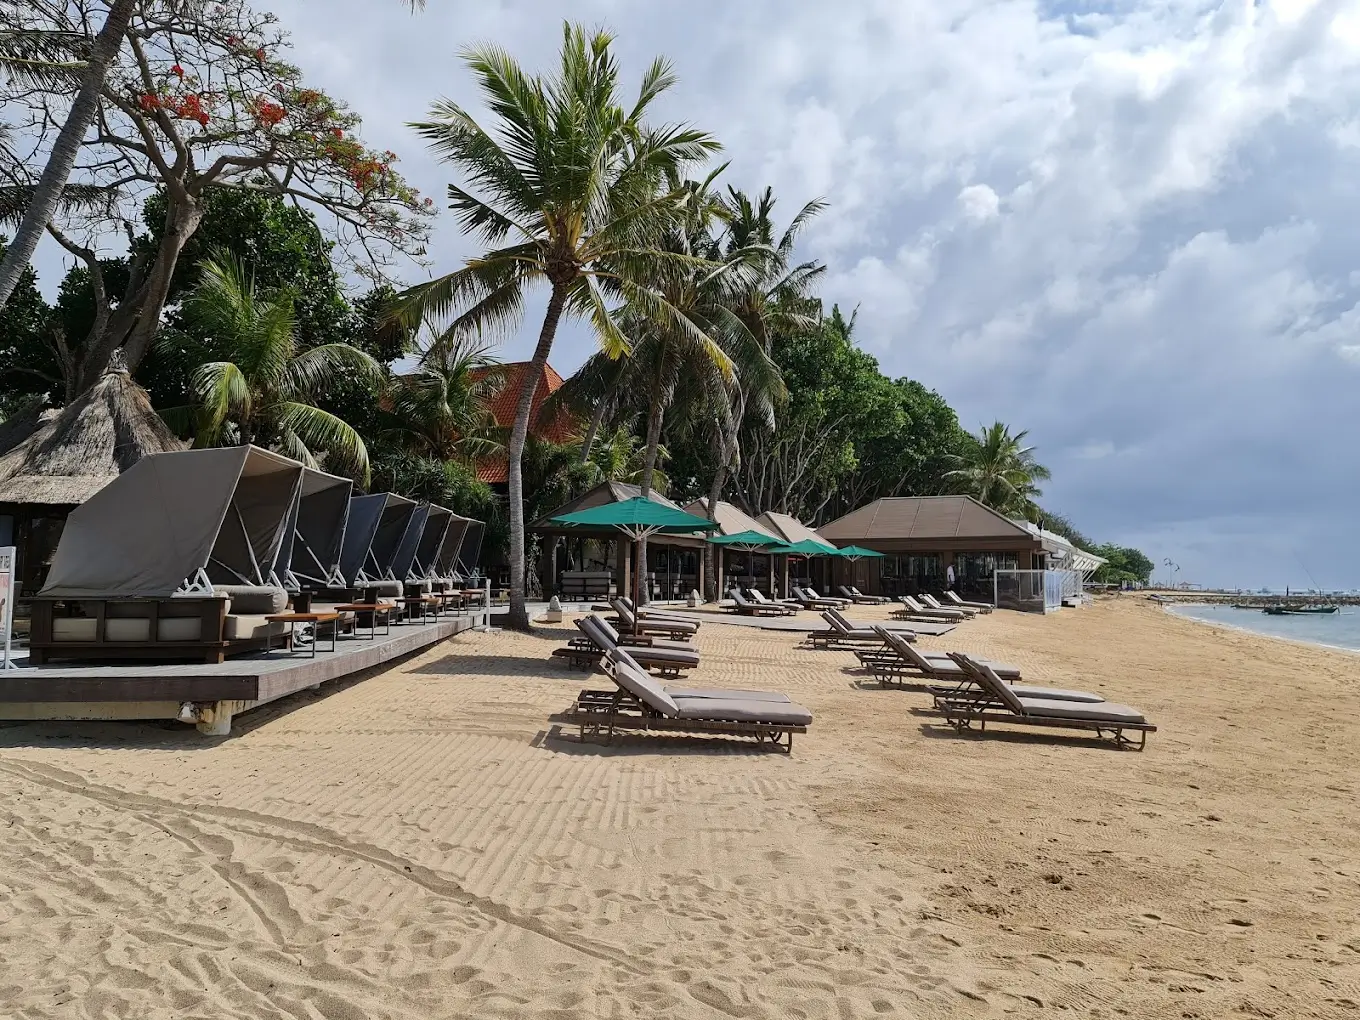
(559,428)
(922,536)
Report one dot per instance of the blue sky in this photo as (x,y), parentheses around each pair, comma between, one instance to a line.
(1127,227)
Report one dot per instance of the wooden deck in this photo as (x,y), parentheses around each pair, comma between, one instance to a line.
(205,694)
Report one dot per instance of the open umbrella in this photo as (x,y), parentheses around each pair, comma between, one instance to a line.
(854,553)
(752,542)
(637,518)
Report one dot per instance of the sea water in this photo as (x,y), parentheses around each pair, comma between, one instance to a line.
(1337,630)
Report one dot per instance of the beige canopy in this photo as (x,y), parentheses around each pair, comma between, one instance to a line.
(178,523)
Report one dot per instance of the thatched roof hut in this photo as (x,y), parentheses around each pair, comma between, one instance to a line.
(76,452)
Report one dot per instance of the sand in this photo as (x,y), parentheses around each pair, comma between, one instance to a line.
(423,844)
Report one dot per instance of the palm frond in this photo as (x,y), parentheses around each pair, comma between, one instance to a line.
(322,431)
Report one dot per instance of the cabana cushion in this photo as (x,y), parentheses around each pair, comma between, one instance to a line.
(253,599)
(719,694)
(1104,712)
(250,628)
(636,681)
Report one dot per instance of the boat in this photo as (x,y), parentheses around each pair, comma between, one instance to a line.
(1300,610)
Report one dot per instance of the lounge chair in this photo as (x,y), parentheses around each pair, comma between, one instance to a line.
(808,602)
(840,602)
(760,598)
(741,604)
(640,703)
(648,613)
(600,639)
(905,612)
(1001,703)
(969,683)
(927,613)
(981,607)
(931,602)
(859,598)
(840,632)
(678,630)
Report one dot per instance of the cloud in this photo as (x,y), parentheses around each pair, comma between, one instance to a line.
(1123,226)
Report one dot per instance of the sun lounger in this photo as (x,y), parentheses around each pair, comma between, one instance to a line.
(932,603)
(640,703)
(900,661)
(760,598)
(968,683)
(1004,704)
(981,607)
(927,613)
(648,613)
(743,605)
(809,602)
(679,630)
(840,602)
(859,598)
(840,632)
(600,638)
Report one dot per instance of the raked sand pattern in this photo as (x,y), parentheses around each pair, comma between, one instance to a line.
(424,843)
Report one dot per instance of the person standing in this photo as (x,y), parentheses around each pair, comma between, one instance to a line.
(949,577)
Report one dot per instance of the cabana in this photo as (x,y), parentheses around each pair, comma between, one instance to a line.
(438,524)
(377,525)
(404,559)
(446,563)
(470,551)
(53,463)
(151,564)
(309,556)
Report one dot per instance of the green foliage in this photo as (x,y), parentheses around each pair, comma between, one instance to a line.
(998,469)
(27,364)
(1125,564)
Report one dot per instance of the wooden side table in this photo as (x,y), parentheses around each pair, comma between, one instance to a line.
(374,609)
(293,619)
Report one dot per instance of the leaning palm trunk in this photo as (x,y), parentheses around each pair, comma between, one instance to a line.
(47,193)
(648,467)
(519,435)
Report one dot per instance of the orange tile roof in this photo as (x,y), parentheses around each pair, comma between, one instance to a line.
(560,430)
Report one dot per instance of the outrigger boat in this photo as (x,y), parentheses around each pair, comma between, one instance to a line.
(1299,610)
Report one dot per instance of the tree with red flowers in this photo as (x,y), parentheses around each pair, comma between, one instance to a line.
(203,99)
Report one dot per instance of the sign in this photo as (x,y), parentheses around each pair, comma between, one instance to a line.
(7,588)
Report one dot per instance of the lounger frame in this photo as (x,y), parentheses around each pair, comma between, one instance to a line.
(597,712)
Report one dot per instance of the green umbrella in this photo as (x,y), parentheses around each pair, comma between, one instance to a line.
(637,518)
(809,547)
(854,553)
(751,541)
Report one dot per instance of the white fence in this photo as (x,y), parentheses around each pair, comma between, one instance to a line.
(1035,591)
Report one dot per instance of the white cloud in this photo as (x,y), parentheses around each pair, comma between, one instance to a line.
(979,203)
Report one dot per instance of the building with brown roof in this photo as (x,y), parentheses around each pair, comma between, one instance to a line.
(921,537)
(558,428)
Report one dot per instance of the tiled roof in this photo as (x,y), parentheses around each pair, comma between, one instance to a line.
(730,519)
(496,470)
(790,529)
(922,517)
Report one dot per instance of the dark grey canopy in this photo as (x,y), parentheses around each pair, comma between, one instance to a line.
(365,513)
(402,567)
(446,563)
(396,518)
(310,553)
(437,524)
(470,552)
(178,522)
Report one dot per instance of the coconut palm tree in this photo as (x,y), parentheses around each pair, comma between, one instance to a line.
(252,383)
(442,409)
(997,469)
(569,193)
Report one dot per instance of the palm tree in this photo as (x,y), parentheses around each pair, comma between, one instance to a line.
(442,408)
(997,469)
(572,194)
(254,384)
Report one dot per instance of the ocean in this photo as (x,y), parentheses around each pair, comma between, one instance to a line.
(1339,630)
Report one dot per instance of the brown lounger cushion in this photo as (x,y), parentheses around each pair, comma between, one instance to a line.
(1104,712)
(252,600)
(719,710)
(665,656)
(635,680)
(720,694)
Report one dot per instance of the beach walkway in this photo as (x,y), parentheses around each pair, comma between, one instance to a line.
(423,843)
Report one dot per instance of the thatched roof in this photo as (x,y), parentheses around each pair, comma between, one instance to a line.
(75,453)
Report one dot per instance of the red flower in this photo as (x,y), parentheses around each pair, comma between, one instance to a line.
(337,133)
(203,119)
(259,55)
(177,71)
(149,103)
(233,40)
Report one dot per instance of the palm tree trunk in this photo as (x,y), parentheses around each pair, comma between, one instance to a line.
(62,159)
(648,466)
(712,593)
(519,435)
(596,420)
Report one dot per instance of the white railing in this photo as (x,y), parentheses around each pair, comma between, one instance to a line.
(1035,591)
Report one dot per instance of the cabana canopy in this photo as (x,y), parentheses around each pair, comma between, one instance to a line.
(396,518)
(470,551)
(365,513)
(403,563)
(438,523)
(176,523)
(310,552)
(446,563)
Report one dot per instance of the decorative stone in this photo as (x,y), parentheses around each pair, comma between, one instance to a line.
(553,614)
(695,599)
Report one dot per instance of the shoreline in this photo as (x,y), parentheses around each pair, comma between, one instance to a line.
(1170,610)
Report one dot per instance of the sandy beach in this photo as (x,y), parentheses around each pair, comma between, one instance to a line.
(423,843)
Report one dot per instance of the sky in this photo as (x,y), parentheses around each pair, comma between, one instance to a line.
(1127,227)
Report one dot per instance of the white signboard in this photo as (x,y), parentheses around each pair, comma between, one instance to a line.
(7,587)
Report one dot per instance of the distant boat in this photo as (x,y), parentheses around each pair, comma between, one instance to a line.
(1300,610)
